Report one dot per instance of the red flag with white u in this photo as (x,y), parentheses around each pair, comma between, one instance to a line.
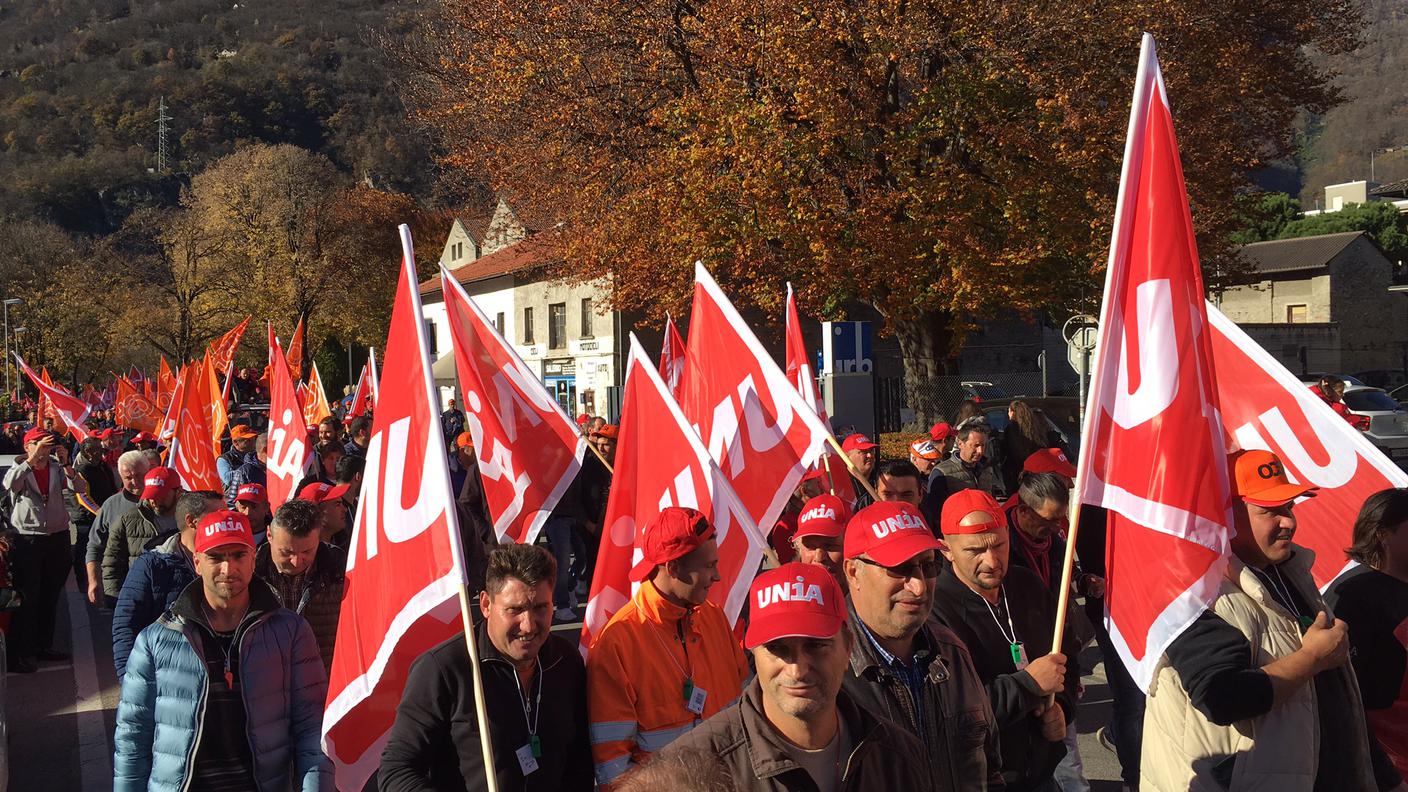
(661,462)
(1154,453)
(405,566)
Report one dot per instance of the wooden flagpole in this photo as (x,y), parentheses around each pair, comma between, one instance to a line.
(600,456)
(480,714)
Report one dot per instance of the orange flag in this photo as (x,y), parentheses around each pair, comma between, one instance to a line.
(165,386)
(134,410)
(295,352)
(315,400)
(217,417)
(222,349)
(191,452)
(46,407)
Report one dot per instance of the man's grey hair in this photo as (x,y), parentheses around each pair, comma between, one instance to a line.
(134,461)
(153,458)
(1035,489)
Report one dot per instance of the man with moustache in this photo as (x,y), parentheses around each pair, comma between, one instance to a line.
(1006,616)
(225,691)
(534,695)
(904,665)
(796,727)
(1257,693)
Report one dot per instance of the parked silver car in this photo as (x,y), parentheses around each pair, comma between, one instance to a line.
(1388,421)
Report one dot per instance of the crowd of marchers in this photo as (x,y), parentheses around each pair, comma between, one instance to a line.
(898,642)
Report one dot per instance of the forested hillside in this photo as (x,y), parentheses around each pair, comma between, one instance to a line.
(80,83)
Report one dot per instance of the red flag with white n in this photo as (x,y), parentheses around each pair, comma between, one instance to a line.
(672,357)
(286,441)
(405,565)
(1154,453)
(661,462)
(529,450)
(803,376)
(751,418)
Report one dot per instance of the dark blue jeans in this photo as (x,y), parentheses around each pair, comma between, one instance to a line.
(1126,727)
(564,541)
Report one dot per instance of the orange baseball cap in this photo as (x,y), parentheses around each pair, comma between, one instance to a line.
(1259,478)
(242,432)
(924,448)
(465,440)
(609,430)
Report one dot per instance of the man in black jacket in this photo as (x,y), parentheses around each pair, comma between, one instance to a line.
(305,573)
(534,693)
(1006,617)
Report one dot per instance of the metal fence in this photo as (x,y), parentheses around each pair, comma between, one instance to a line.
(938,398)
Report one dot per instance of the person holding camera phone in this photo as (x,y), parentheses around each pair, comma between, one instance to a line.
(40,554)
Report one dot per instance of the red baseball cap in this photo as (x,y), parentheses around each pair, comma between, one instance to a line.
(794,600)
(924,448)
(143,437)
(583,419)
(814,474)
(891,533)
(1259,478)
(318,492)
(36,434)
(158,481)
(824,515)
(939,431)
(674,533)
(223,527)
(857,442)
(963,503)
(251,493)
(1050,460)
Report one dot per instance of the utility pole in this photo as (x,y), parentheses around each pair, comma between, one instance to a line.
(161,119)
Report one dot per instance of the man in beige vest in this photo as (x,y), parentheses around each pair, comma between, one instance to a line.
(1257,694)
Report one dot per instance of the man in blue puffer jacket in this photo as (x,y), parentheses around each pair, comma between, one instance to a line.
(158,576)
(225,691)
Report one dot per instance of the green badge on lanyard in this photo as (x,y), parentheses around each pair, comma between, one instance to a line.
(1305,622)
(1016,654)
(536,745)
(688,690)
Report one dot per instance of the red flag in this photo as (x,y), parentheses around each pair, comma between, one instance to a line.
(801,374)
(362,397)
(222,350)
(315,400)
(295,351)
(70,410)
(1153,402)
(134,410)
(660,461)
(149,390)
(529,450)
(672,358)
(405,567)
(287,439)
(750,416)
(1267,407)
(192,455)
(46,407)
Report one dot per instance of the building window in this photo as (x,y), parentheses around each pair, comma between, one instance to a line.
(557,325)
(527,325)
(499,322)
(1296,314)
(587,317)
(430,338)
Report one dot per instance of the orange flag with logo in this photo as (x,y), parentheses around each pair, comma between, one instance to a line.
(134,410)
(165,386)
(315,400)
(295,352)
(192,454)
(217,417)
(222,349)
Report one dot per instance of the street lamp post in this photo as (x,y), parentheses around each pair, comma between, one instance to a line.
(6,311)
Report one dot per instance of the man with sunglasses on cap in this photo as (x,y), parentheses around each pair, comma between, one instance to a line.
(905,665)
(1006,616)
(225,691)
(796,726)
(1257,693)
(668,659)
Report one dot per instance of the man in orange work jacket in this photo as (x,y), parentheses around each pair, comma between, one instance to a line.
(667,660)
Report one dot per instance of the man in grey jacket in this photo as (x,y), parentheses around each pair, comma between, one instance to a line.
(41,547)
(132,467)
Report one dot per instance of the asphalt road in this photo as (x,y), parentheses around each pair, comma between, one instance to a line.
(61,718)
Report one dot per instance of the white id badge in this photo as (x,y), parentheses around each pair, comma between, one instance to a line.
(526,762)
(696,701)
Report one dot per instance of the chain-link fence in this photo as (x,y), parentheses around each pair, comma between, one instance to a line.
(937,398)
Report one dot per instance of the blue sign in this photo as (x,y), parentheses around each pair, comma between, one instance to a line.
(845,348)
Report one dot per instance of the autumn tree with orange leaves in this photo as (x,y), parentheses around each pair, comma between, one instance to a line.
(942,161)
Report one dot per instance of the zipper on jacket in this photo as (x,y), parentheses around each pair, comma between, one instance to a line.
(198,648)
(239,649)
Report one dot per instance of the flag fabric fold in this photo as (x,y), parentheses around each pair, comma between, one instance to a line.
(362,397)
(660,462)
(295,352)
(672,357)
(68,409)
(315,400)
(1155,456)
(134,410)
(405,566)
(529,449)
(190,424)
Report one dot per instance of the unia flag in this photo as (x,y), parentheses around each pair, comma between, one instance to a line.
(803,376)
(672,357)
(286,441)
(70,410)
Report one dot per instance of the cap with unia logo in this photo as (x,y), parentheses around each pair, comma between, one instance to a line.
(794,600)
(890,533)
(223,527)
(824,515)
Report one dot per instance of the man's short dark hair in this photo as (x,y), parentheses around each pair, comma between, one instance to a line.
(971,425)
(900,468)
(1035,489)
(299,517)
(528,563)
(196,504)
(362,423)
(329,421)
(324,449)
(349,467)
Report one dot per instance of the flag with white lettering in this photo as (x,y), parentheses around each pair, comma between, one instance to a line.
(661,462)
(529,450)
(405,566)
(754,423)
(286,441)
(1153,403)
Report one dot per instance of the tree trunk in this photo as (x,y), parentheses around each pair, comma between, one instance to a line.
(926,338)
